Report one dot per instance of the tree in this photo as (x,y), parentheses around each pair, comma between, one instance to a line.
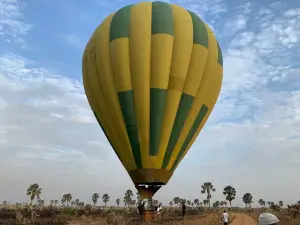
(95,198)
(55,202)
(230,193)
(223,203)
(247,199)
(118,202)
(34,192)
(196,202)
(80,204)
(207,188)
(188,202)
(205,202)
(105,198)
(176,200)
(76,202)
(183,201)
(171,203)
(216,204)
(261,202)
(269,204)
(127,199)
(281,204)
(67,198)
(41,202)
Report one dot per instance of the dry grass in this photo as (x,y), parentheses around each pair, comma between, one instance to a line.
(21,215)
(285,216)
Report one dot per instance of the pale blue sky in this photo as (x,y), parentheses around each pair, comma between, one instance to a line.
(49,135)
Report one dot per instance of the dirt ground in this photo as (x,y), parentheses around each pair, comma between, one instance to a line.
(240,219)
(243,219)
(212,219)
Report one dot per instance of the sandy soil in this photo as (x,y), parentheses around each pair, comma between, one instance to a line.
(243,219)
(240,219)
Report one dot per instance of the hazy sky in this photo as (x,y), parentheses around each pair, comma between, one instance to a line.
(48,134)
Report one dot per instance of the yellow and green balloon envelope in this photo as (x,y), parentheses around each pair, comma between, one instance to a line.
(152,73)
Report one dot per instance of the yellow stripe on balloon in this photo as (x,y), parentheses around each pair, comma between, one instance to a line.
(161,58)
(207,94)
(218,71)
(102,85)
(140,57)
(182,50)
(119,55)
(196,69)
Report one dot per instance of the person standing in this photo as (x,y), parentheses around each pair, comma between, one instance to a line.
(158,210)
(225,218)
(183,209)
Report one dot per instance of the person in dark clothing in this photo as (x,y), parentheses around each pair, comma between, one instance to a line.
(141,207)
(183,209)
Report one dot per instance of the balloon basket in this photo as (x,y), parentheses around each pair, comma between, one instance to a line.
(148,215)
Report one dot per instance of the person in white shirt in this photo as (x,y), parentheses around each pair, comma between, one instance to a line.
(159,208)
(225,217)
(268,219)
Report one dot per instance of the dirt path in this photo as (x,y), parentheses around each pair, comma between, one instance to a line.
(243,219)
(214,219)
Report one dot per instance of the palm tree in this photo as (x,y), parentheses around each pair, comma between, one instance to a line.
(67,198)
(205,202)
(34,192)
(118,202)
(196,202)
(127,198)
(223,203)
(105,198)
(261,202)
(281,204)
(95,198)
(41,202)
(247,199)
(76,202)
(176,200)
(230,193)
(216,204)
(55,202)
(207,188)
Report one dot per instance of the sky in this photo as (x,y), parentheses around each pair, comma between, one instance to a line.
(49,136)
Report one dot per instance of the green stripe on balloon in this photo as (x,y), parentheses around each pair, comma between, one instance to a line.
(162,18)
(128,111)
(200,35)
(120,22)
(184,107)
(202,113)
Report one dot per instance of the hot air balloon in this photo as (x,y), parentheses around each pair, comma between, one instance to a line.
(152,73)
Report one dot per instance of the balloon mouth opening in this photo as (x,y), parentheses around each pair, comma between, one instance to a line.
(147,190)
